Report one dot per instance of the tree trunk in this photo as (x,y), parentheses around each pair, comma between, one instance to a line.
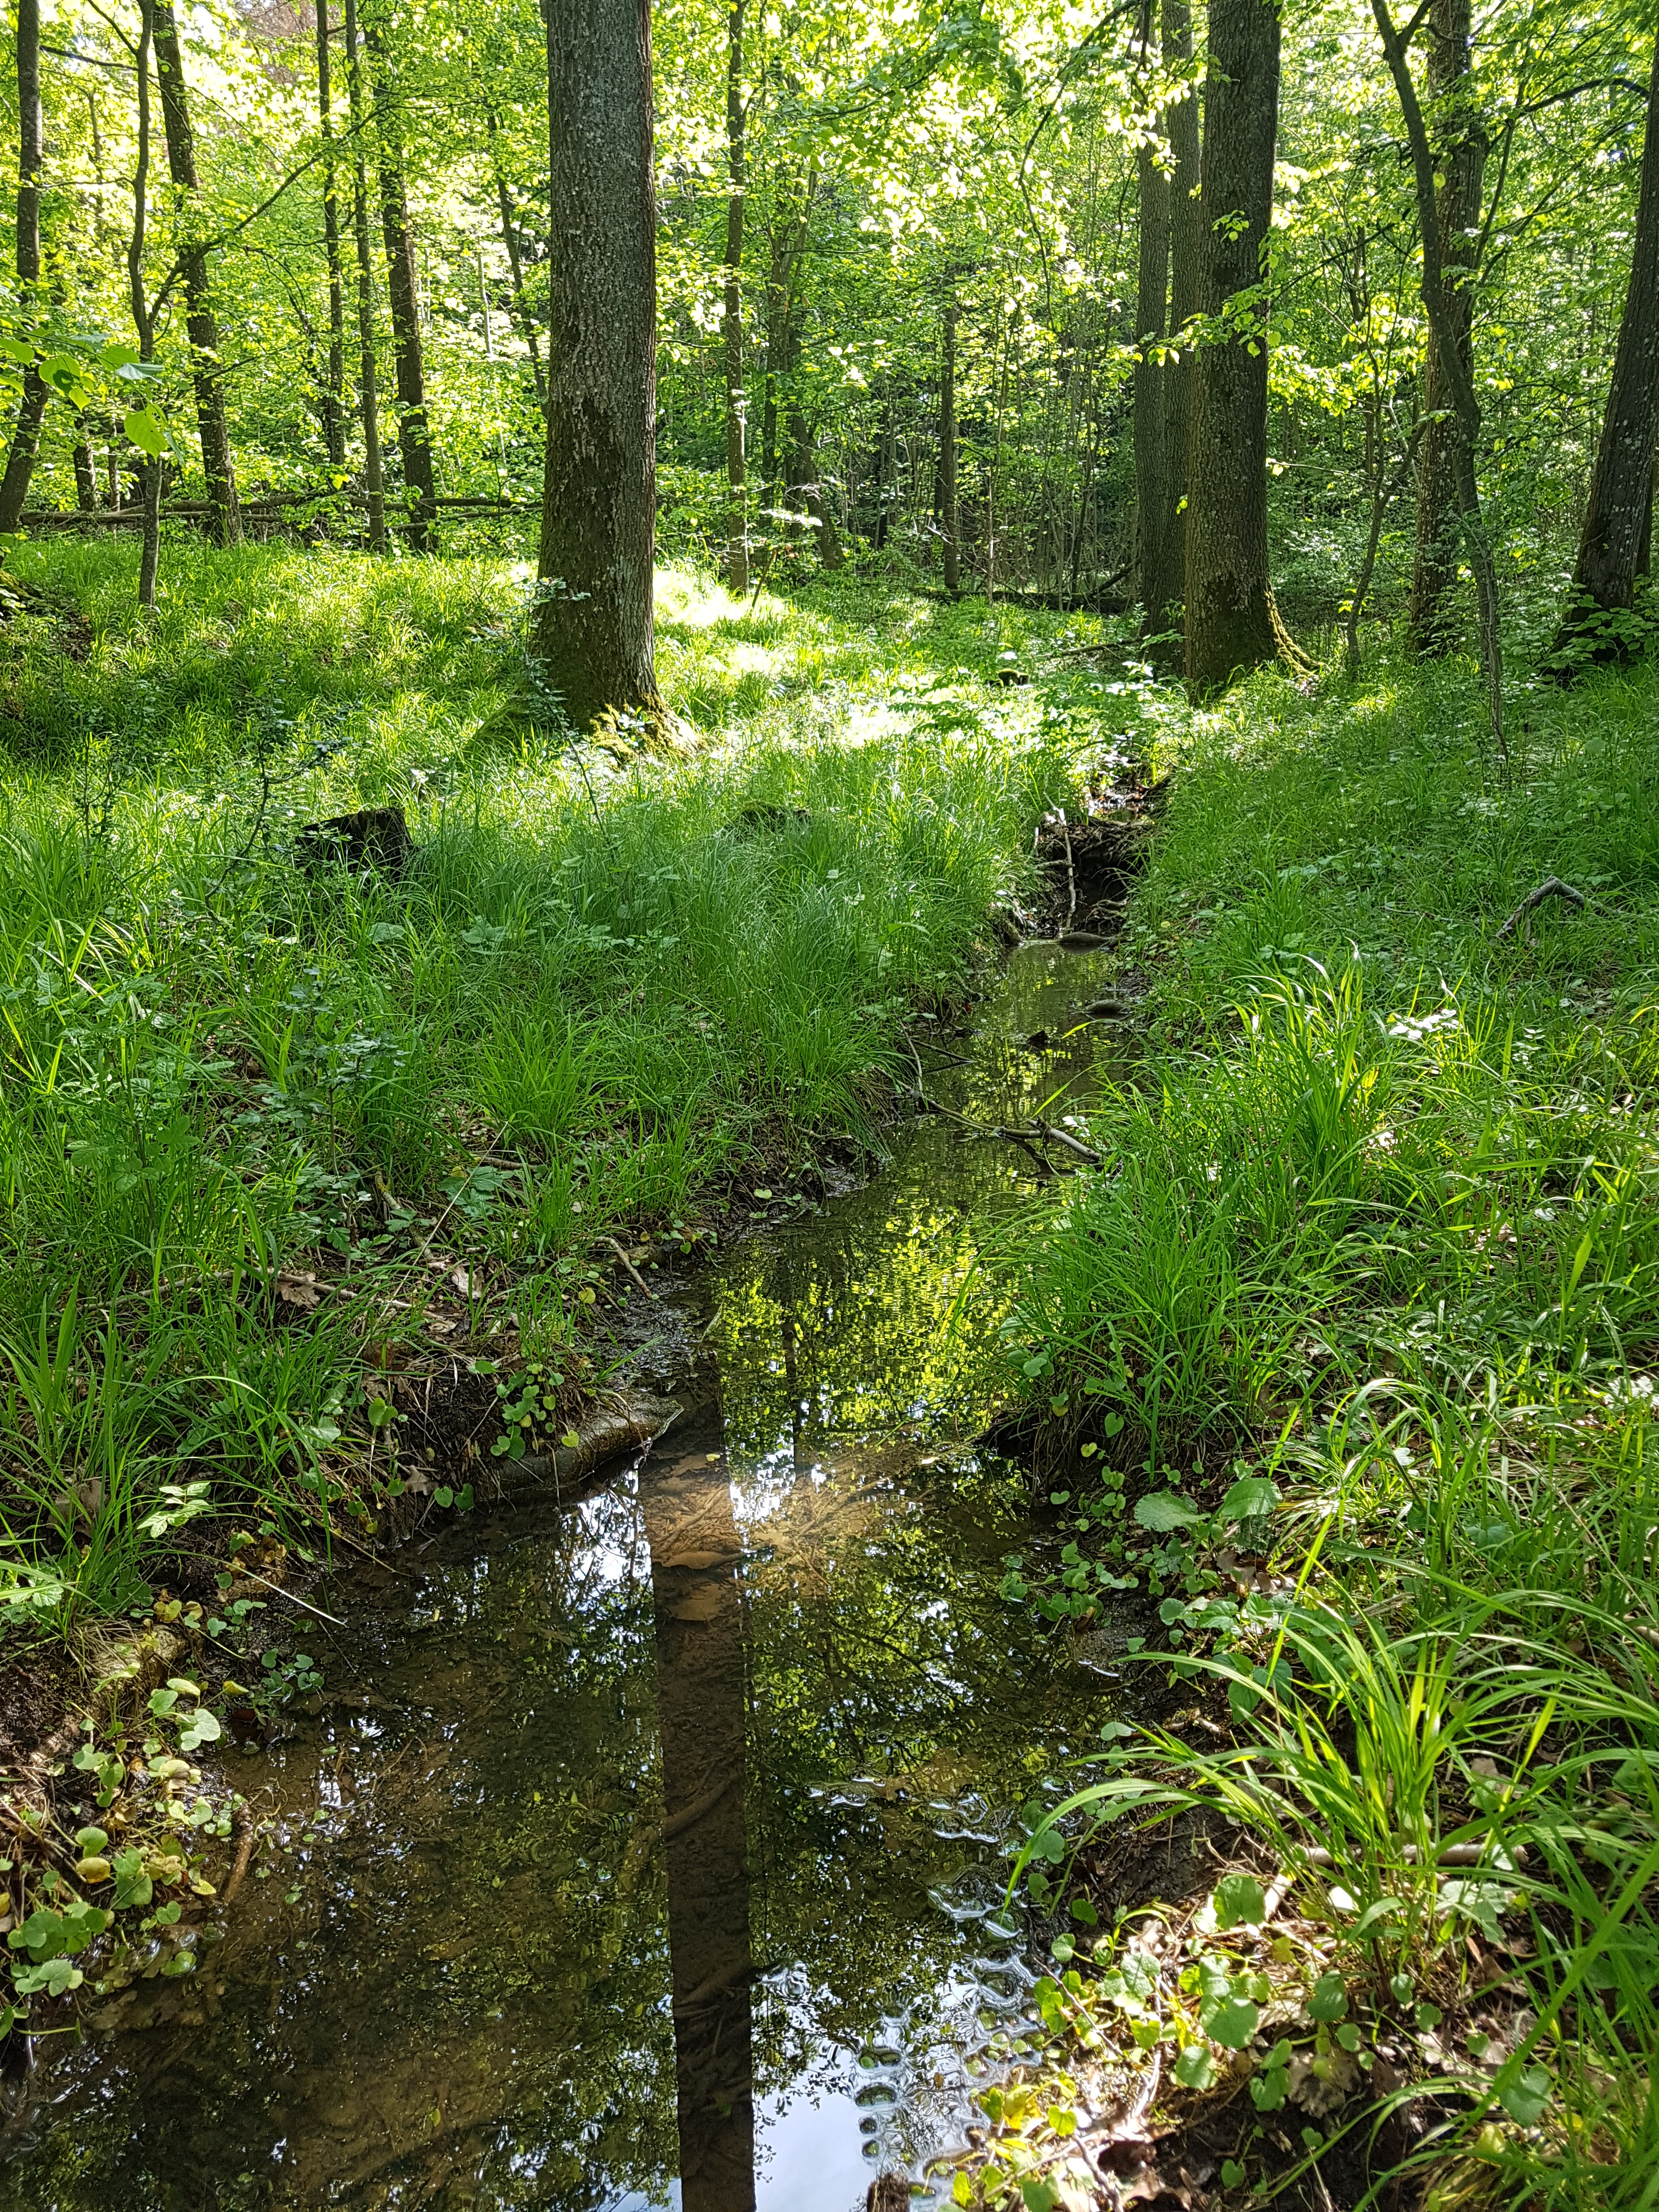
(1165,592)
(737,500)
(1618,516)
(32,407)
(807,485)
(200,322)
(1459,159)
(526,321)
(86,480)
(1438,306)
(374,479)
(947,449)
(334,391)
(414,428)
(1152,306)
(1230,621)
(149,559)
(593,622)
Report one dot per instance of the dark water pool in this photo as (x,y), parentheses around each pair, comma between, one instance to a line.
(651,1852)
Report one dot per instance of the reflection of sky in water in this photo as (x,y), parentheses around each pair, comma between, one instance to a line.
(481,1926)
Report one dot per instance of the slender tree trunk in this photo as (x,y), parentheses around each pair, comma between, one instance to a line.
(947,447)
(526,321)
(593,622)
(1164,594)
(737,498)
(31,408)
(1437,306)
(374,479)
(334,390)
(1006,331)
(1385,489)
(85,479)
(791,218)
(414,426)
(1230,620)
(149,558)
(1459,159)
(201,321)
(1152,306)
(1618,514)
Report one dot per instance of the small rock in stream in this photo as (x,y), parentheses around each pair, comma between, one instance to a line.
(1080,940)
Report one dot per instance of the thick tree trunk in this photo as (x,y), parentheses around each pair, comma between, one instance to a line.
(594,622)
(1459,159)
(368,398)
(737,498)
(1618,514)
(1230,621)
(947,449)
(200,322)
(414,426)
(526,321)
(1163,594)
(1151,309)
(32,407)
(334,390)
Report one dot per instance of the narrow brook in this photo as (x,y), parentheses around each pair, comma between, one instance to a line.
(651,1852)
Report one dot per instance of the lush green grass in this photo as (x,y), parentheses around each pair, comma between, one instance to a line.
(610,982)
(1378,1239)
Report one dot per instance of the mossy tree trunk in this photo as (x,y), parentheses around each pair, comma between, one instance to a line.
(32,407)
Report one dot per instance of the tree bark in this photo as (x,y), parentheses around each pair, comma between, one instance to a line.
(1230,621)
(1458,370)
(1618,516)
(373,478)
(334,391)
(1459,158)
(1165,592)
(594,622)
(414,426)
(947,449)
(736,499)
(201,321)
(32,407)
(1152,308)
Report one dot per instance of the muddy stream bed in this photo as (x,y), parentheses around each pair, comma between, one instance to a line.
(650,1852)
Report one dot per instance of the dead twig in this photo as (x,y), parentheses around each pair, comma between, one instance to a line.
(629,1264)
(1551,887)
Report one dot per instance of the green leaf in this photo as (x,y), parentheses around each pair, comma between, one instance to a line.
(1163,1513)
(1232,2173)
(1196,2069)
(1525,2095)
(1240,1901)
(147,431)
(1232,2023)
(1250,1497)
(1039,2196)
(1269,2091)
(1329,2000)
(1380,1911)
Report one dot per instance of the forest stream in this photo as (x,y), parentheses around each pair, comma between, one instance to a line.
(651,1851)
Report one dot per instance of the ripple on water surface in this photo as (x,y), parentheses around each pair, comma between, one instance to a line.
(648,1853)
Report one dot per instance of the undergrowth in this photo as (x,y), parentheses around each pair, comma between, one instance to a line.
(1359,1320)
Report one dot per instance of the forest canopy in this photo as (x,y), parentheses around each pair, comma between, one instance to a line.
(919,269)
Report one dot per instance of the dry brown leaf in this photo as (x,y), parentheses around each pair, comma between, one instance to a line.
(301,1289)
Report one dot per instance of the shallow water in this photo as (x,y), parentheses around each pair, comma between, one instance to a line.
(651,1852)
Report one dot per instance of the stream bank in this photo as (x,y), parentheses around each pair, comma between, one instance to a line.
(650,1850)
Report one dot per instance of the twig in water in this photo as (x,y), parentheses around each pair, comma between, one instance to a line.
(333,1619)
(1551,887)
(1071,1144)
(629,1264)
(1071,875)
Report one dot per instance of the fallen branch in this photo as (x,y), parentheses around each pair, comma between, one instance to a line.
(1551,887)
(629,1264)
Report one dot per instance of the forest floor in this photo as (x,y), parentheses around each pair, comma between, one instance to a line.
(1339,1368)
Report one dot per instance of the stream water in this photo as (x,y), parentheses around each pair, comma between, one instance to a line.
(650,1853)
